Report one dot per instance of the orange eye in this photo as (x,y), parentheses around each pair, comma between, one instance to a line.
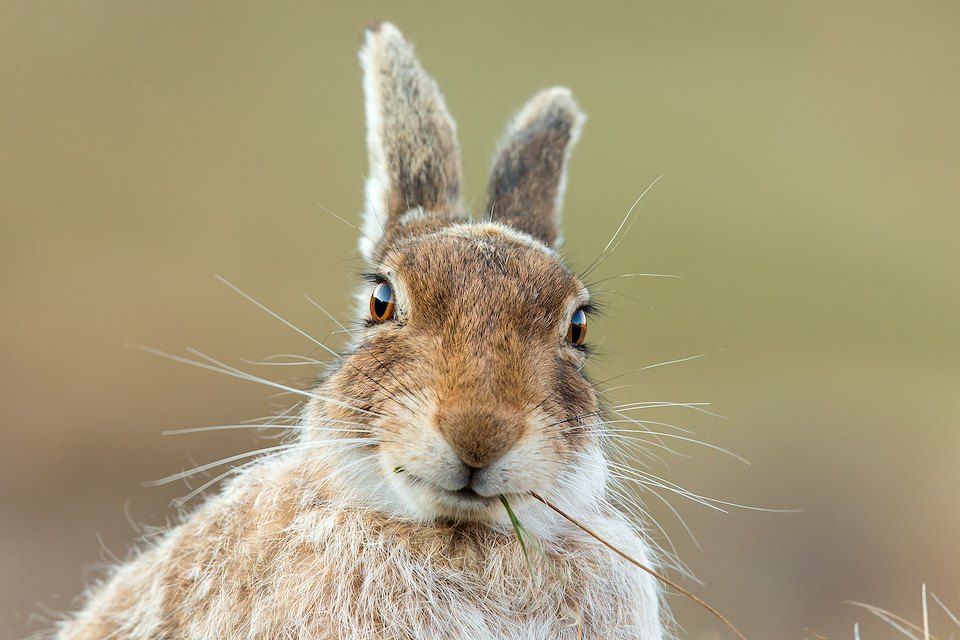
(381,303)
(578,328)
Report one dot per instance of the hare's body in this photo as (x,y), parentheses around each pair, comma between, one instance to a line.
(463,386)
(276,556)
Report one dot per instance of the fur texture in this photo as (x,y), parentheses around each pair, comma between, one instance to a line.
(411,139)
(383,520)
(528,177)
(278,555)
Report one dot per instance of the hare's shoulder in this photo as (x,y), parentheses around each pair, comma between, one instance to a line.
(203,575)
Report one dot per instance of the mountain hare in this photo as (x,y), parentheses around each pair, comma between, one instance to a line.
(463,384)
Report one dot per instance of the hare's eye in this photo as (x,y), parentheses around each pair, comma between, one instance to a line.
(578,328)
(382,303)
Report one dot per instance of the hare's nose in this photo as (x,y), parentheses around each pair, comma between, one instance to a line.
(478,437)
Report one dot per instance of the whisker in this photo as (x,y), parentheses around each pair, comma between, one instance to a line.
(294,356)
(621,434)
(696,406)
(645,429)
(278,317)
(707,501)
(264,363)
(945,609)
(375,243)
(633,275)
(329,315)
(653,366)
(236,373)
(200,354)
(659,445)
(240,456)
(211,465)
(624,489)
(638,476)
(673,555)
(289,427)
(599,259)
(274,418)
(180,502)
(645,422)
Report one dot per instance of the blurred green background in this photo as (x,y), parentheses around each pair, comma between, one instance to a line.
(809,203)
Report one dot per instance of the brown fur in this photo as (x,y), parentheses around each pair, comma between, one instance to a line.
(265,578)
(526,181)
(384,522)
(412,139)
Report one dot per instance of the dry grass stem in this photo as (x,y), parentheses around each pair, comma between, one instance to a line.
(641,566)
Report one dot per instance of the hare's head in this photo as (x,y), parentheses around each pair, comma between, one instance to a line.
(465,382)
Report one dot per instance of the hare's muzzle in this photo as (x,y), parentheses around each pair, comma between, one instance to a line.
(479,437)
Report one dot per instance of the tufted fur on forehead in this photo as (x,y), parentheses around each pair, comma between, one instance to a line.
(475,275)
(415,178)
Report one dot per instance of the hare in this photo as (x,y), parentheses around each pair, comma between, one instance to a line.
(463,384)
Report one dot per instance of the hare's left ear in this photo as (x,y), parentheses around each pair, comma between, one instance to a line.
(529,172)
(414,180)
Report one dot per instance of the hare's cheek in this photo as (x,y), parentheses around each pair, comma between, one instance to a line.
(576,399)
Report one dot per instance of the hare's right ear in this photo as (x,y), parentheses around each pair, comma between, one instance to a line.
(414,180)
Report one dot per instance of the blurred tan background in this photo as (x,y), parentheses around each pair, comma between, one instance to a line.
(809,203)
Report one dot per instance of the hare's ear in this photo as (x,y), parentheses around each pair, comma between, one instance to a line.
(529,171)
(414,180)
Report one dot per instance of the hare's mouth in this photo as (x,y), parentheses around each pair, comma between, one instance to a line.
(460,499)
(470,495)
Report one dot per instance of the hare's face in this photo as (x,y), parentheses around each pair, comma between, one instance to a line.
(473,383)
(466,382)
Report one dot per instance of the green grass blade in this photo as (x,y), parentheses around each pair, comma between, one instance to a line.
(518,530)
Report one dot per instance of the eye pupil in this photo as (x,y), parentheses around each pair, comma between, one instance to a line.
(381,302)
(578,328)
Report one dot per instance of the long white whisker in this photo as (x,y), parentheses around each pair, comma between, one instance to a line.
(622,434)
(644,477)
(278,317)
(635,275)
(264,363)
(945,609)
(240,456)
(278,421)
(241,374)
(669,362)
(329,315)
(596,263)
(676,514)
(609,435)
(629,473)
(289,427)
(646,429)
(696,406)
(674,554)
(210,465)
(236,374)
(179,502)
